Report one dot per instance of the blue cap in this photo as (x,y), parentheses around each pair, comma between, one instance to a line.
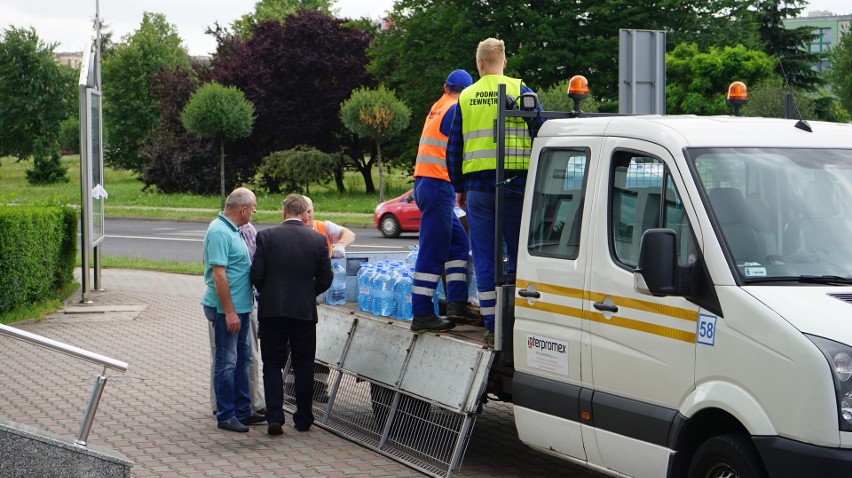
(459,80)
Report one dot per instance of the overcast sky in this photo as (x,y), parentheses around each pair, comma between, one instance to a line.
(68,22)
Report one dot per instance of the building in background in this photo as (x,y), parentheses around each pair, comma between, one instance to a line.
(827,27)
(73,59)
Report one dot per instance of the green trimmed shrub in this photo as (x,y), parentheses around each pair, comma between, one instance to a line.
(37,252)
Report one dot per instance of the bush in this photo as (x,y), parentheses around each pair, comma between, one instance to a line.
(47,170)
(37,252)
(69,135)
(292,169)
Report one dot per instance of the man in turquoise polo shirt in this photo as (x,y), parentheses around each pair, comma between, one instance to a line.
(227,304)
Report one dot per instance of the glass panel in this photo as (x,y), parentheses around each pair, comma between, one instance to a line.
(96,155)
(782,213)
(635,193)
(558,203)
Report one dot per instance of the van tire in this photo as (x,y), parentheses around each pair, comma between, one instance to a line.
(726,456)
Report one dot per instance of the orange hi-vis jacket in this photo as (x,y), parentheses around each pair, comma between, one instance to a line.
(432,153)
(319,226)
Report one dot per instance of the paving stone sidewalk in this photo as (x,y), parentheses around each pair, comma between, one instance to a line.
(157,413)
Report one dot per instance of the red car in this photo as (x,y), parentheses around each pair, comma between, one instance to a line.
(397,215)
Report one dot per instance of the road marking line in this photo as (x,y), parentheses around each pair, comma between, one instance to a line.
(155,238)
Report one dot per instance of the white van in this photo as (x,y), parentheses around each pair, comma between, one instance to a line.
(728,352)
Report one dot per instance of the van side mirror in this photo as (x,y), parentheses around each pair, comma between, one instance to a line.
(657,272)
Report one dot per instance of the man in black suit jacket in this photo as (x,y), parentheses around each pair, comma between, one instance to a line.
(291,267)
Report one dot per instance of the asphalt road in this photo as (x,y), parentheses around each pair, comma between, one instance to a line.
(182,240)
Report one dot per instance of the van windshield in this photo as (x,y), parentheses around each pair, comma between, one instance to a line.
(784,214)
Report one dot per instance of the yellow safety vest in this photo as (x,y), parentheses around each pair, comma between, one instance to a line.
(478,104)
(432,153)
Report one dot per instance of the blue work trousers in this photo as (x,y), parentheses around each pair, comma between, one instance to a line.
(480,223)
(443,245)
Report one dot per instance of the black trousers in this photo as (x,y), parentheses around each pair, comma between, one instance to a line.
(278,335)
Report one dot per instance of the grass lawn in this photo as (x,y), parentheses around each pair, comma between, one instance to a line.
(127,199)
(41,308)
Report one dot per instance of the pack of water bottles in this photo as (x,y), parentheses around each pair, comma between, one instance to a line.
(384,287)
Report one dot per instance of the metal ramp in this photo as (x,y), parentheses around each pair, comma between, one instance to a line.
(413,398)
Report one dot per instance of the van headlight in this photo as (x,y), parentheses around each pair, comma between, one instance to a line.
(839,358)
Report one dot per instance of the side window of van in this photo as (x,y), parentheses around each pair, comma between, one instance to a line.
(558,203)
(642,197)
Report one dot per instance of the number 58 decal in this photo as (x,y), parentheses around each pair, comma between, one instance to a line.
(706,329)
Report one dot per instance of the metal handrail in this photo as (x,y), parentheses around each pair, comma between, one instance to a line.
(64,348)
(100,380)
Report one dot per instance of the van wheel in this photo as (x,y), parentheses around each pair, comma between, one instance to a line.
(389,226)
(726,456)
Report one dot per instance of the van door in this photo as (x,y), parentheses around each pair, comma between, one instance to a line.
(548,383)
(642,347)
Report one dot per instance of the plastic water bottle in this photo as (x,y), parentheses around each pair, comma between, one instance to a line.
(402,296)
(411,258)
(383,289)
(439,295)
(472,293)
(337,293)
(364,275)
(373,305)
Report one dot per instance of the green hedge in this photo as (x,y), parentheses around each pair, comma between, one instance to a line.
(37,252)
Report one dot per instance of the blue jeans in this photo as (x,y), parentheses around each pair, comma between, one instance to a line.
(480,222)
(230,373)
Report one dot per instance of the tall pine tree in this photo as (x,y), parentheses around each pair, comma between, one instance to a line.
(790,46)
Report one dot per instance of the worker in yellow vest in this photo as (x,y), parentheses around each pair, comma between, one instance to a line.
(472,163)
(443,242)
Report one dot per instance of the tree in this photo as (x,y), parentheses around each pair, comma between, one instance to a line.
(789,46)
(427,40)
(277,10)
(766,99)
(299,167)
(172,159)
(36,94)
(296,73)
(705,23)
(697,82)
(219,112)
(377,115)
(840,74)
(556,98)
(130,109)
(69,134)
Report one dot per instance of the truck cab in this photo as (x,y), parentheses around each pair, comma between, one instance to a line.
(683,295)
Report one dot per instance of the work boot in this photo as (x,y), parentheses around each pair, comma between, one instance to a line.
(460,314)
(430,323)
(488,338)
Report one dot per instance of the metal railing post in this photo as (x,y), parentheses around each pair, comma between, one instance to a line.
(91,409)
(100,380)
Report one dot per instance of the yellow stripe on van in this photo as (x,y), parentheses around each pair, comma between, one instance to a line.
(645,306)
(553,289)
(640,326)
(556,309)
(629,302)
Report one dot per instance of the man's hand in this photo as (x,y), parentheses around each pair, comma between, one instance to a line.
(460,199)
(338,251)
(232,322)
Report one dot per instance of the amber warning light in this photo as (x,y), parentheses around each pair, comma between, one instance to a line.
(737,96)
(578,90)
(578,86)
